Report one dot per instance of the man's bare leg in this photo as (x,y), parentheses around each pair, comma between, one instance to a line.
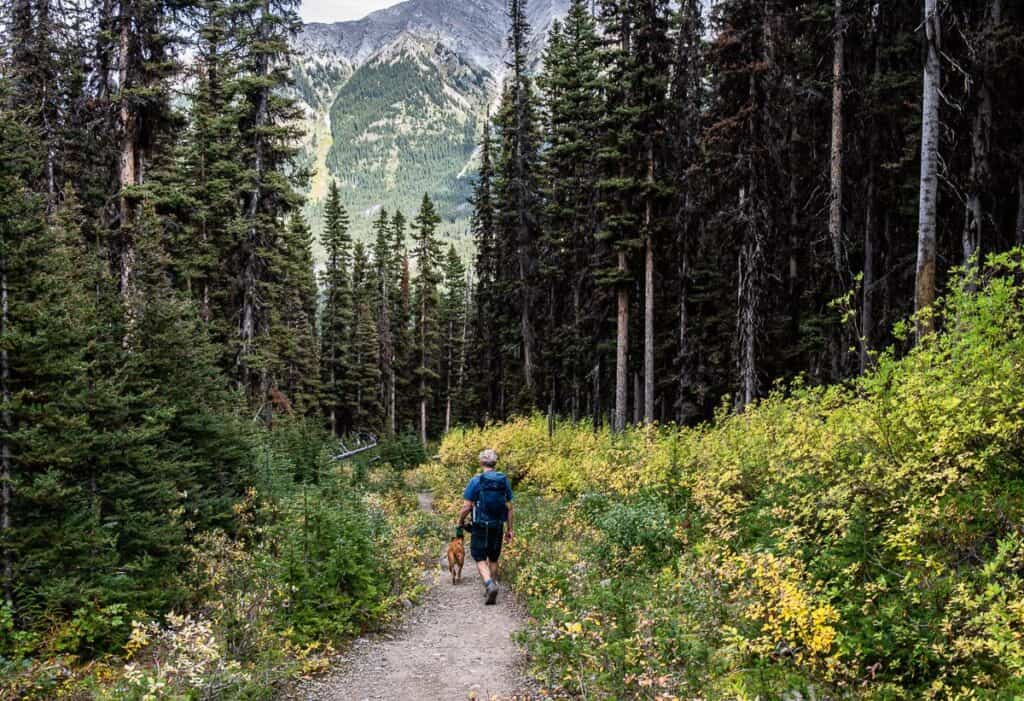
(484,568)
(492,566)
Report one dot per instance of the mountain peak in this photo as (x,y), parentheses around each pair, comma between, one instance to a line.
(474,29)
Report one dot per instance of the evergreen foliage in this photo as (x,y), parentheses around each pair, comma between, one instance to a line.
(426,309)
(703,205)
(337,316)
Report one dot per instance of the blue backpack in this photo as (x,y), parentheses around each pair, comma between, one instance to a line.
(491,509)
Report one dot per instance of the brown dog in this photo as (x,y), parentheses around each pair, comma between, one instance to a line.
(456,558)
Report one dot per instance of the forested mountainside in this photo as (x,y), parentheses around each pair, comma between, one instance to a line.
(394,104)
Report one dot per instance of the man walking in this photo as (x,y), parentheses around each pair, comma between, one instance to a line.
(489,497)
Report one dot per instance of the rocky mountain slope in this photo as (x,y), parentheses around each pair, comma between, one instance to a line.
(394,102)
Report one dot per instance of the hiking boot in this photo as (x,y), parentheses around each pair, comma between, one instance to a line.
(492,594)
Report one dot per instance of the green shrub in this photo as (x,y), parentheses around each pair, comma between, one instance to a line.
(644,524)
(403,452)
(849,541)
(93,629)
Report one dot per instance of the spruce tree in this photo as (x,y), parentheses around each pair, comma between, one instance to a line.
(21,223)
(365,349)
(454,334)
(385,297)
(518,188)
(687,99)
(487,377)
(293,309)
(337,317)
(426,308)
(406,407)
(268,133)
(570,85)
(207,174)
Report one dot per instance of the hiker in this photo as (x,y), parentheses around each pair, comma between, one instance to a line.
(489,497)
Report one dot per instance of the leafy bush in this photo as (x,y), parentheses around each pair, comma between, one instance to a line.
(847,541)
(639,524)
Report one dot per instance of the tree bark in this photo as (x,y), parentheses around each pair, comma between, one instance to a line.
(386,352)
(649,298)
(250,277)
(6,476)
(867,313)
(423,369)
(924,287)
(835,216)
(448,377)
(684,381)
(465,338)
(1020,210)
(621,350)
(868,283)
(127,163)
(423,422)
(638,391)
(526,325)
(748,294)
(981,130)
(747,326)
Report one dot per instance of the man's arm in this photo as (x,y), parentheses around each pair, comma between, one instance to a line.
(509,533)
(467,506)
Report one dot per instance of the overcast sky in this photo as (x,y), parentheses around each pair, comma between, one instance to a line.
(339,10)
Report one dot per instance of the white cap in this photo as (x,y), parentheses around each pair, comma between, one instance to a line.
(489,457)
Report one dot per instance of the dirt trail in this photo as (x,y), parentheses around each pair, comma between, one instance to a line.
(451,647)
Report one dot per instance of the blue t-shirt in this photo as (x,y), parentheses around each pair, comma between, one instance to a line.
(472,492)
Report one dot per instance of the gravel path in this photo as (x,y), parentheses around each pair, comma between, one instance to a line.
(450,647)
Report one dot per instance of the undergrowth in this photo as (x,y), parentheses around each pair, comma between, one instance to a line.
(854,541)
(315,553)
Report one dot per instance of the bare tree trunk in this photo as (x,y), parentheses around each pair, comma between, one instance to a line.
(525,323)
(386,352)
(333,414)
(649,299)
(423,421)
(748,293)
(576,369)
(868,283)
(423,369)
(621,351)
(887,264)
(747,323)
(638,394)
(465,338)
(867,313)
(6,476)
(1020,209)
(981,130)
(683,379)
(835,216)
(49,114)
(250,278)
(127,164)
(924,288)
(448,378)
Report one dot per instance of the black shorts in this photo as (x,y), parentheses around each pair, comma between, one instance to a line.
(486,542)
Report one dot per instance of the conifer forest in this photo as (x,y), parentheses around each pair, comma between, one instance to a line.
(685,214)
